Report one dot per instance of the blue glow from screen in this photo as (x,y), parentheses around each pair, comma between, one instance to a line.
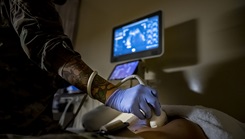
(137,37)
(123,70)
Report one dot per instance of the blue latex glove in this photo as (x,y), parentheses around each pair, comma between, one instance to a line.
(132,100)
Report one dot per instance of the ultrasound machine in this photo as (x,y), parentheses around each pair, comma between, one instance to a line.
(132,43)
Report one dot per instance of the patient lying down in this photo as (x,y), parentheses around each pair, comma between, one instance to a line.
(184,121)
(175,128)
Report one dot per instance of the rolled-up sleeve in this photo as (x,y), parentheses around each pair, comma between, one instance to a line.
(39,27)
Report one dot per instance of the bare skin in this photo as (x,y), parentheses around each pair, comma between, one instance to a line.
(77,73)
(175,129)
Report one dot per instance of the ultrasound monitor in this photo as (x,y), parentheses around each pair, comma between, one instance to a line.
(139,39)
(124,70)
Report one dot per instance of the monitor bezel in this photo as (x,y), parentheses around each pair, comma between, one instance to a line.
(150,53)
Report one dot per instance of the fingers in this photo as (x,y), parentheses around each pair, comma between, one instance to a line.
(156,108)
(154,93)
(149,109)
(145,110)
(154,103)
(144,106)
(149,103)
(139,113)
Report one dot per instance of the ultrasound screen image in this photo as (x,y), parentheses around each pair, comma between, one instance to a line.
(136,37)
(123,70)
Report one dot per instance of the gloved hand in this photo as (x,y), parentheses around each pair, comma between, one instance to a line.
(132,100)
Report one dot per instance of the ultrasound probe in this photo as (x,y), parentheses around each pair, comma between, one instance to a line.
(154,121)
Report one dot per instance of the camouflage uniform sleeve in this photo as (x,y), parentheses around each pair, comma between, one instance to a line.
(40,30)
(39,27)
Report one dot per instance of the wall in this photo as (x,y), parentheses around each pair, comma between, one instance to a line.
(204,59)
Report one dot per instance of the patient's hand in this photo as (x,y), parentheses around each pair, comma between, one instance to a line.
(175,129)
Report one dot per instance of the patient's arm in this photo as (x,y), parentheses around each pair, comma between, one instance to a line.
(175,129)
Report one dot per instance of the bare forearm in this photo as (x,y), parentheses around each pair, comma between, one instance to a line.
(77,73)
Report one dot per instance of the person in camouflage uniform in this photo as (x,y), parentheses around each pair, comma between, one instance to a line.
(26,90)
(36,58)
